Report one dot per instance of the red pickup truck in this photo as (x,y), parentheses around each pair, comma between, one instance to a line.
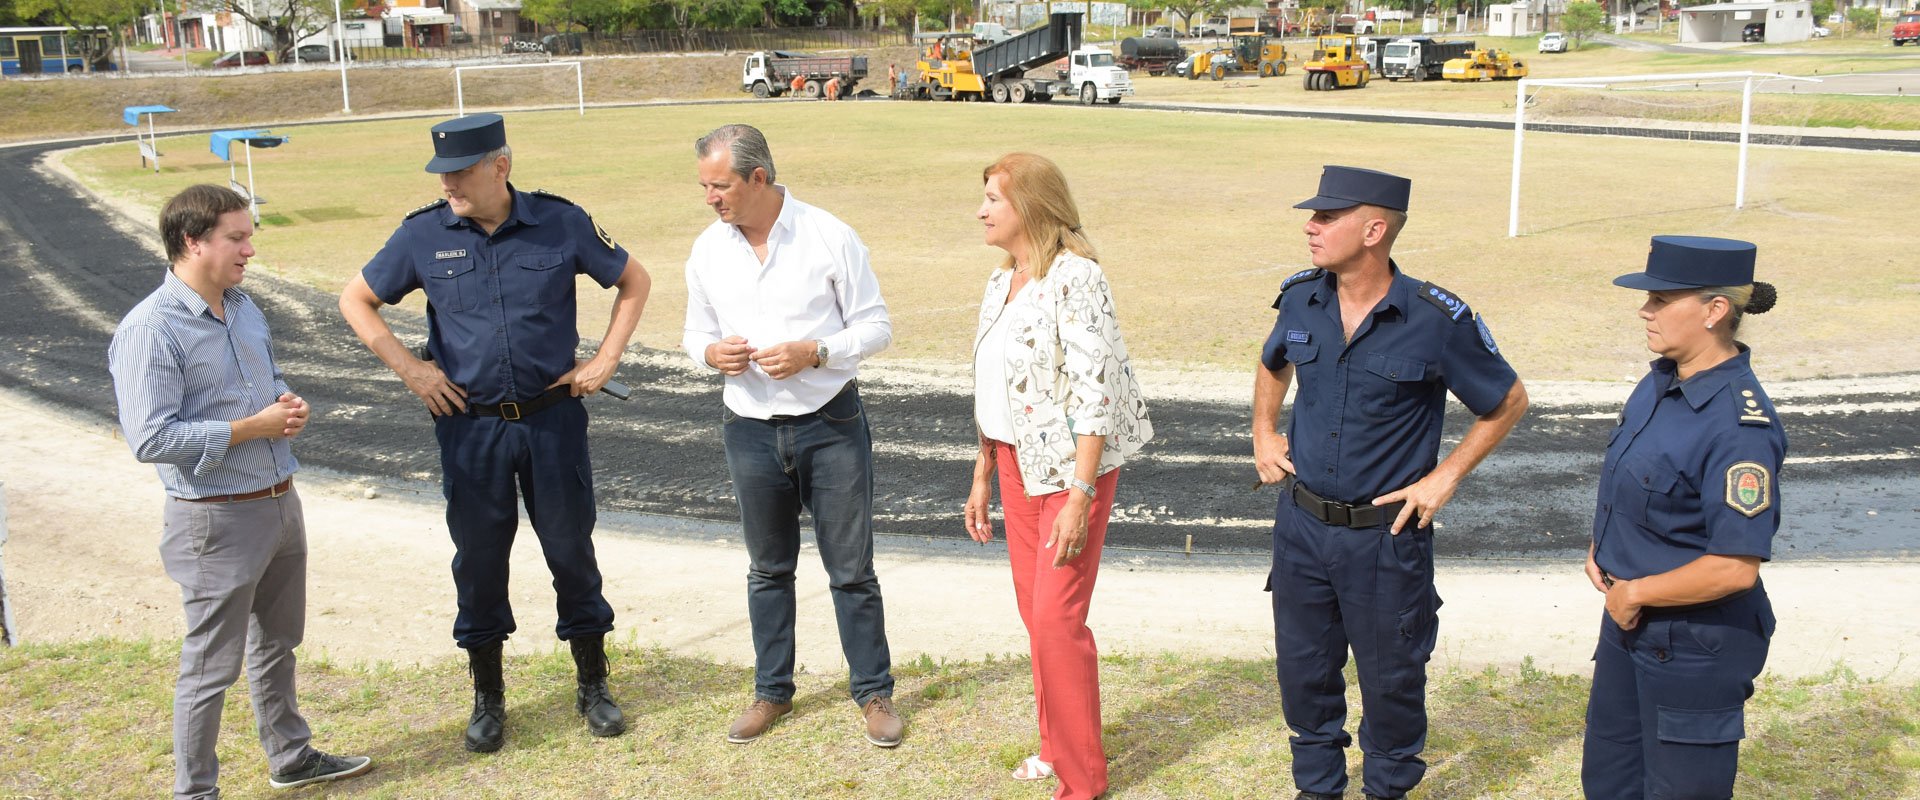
(1907,29)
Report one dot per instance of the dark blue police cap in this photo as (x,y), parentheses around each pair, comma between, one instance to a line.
(1691,262)
(1346,187)
(461,143)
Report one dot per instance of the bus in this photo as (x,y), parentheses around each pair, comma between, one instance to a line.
(35,51)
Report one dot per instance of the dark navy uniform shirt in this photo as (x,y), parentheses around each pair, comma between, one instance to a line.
(500,307)
(1366,416)
(1692,469)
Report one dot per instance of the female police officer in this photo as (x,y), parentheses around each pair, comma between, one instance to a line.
(1687,511)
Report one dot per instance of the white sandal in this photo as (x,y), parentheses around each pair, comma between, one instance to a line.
(1033,769)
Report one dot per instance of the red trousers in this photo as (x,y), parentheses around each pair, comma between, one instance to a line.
(1053,604)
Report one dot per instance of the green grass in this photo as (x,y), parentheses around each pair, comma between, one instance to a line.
(92,719)
(1191,213)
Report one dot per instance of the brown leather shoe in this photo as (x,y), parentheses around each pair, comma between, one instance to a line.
(883,725)
(754,722)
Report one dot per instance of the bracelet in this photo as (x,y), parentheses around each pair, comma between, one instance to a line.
(1074,482)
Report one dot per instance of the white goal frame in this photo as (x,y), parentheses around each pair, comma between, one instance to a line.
(1746,117)
(579,85)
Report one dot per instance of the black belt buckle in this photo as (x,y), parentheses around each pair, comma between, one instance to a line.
(1337,513)
(510,411)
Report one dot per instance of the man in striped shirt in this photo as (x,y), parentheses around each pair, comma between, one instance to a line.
(203,401)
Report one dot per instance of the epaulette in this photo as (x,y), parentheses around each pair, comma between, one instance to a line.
(426,208)
(1750,411)
(1454,307)
(551,196)
(1299,277)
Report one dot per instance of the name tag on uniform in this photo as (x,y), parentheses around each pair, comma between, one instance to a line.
(446,254)
(1298,337)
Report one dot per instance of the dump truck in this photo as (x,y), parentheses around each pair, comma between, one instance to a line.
(771,74)
(957,67)
(1336,64)
(1248,50)
(1419,58)
(1484,65)
(1153,55)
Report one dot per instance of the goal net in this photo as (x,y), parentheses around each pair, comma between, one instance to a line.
(1614,152)
(547,83)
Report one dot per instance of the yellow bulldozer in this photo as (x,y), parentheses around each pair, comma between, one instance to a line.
(1484,65)
(1250,51)
(1336,64)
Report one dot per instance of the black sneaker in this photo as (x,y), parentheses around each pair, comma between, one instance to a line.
(320,767)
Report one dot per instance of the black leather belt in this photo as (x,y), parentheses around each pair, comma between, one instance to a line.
(851,386)
(513,410)
(1334,512)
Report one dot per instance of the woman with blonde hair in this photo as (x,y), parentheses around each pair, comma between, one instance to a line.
(1058,411)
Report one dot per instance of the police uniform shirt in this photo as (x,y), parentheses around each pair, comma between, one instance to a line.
(1691,470)
(1367,414)
(500,307)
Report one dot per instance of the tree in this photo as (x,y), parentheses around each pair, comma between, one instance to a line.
(1581,19)
(285,22)
(1863,19)
(1821,10)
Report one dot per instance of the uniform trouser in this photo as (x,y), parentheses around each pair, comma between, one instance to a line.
(483,460)
(1053,604)
(242,570)
(1333,588)
(1667,711)
(822,462)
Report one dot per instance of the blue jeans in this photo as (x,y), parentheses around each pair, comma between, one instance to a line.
(822,462)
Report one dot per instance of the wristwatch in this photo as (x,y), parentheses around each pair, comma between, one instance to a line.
(820,351)
(1074,482)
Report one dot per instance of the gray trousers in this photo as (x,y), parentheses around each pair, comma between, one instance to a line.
(242,570)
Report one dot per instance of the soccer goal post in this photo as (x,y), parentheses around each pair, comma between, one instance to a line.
(579,85)
(1745,79)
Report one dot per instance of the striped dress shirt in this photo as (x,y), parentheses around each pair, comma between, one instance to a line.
(182,376)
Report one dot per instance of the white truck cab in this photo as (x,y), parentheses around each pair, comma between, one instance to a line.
(1092,69)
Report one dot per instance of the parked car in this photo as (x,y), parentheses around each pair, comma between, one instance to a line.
(316,53)
(561,44)
(1182,69)
(1553,43)
(1216,26)
(1160,32)
(241,58)
(459,37)
(1821,32)
(1754,32)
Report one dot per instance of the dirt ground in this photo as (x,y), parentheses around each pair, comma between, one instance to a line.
(82,562)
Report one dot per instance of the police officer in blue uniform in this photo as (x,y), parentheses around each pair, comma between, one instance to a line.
(1375,353)
(504,387)
(1689,502)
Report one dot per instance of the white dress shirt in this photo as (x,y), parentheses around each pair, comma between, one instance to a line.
(815,284)
(991,401)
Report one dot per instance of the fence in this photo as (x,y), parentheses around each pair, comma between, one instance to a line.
(650,41)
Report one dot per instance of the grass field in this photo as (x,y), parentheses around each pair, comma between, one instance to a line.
(92,719)
(1191,211)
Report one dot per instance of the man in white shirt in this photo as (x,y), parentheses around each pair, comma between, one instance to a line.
(782,302)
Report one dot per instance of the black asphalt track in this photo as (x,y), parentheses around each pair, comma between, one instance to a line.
(67,275)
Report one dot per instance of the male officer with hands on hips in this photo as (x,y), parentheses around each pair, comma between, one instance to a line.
(503,385)
(1375,353)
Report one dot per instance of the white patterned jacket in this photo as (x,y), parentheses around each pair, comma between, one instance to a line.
(1067,372)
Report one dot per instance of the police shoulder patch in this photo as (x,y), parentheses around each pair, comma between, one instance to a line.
(1298,277)
(1486,336)
(551,196)
(1749,488)
(605,238)
(426,208)
(1454,307)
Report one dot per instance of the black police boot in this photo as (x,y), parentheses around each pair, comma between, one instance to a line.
(591,698)
(1305,795)
(487,728)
